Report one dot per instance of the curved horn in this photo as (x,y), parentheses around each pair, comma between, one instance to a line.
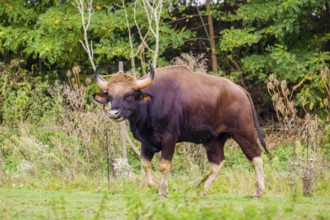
(99,81)
(143,83)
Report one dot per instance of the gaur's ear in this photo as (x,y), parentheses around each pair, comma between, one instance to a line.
(145,97)
(101,97)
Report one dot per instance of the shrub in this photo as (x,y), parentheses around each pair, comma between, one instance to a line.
(22,95)
(306,135)
(194,63)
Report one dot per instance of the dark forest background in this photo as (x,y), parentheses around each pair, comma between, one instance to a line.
(252,40)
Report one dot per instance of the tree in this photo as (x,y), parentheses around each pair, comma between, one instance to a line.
(289,39)
(211,37)
(153,11)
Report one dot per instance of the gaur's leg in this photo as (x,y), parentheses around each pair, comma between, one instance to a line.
(216,157)
(252,151)
(258,168)
(168,148)
(146,157)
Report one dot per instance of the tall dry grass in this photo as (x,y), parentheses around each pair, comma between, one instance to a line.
(306,134)
(66,149)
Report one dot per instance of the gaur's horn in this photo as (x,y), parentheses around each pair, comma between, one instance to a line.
(145,82)
(99,81)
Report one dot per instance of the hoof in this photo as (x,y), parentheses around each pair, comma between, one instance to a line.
(163,190)
(153,186)
(258,195)
(203,194)
(162,193)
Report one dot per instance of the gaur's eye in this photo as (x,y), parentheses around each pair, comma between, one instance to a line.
(110,98)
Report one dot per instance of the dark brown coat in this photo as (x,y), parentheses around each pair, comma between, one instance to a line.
(180,105)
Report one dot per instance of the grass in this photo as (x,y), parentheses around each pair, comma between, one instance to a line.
(30,204)
(30,196)
(54,166)
(146,204)
(34,194)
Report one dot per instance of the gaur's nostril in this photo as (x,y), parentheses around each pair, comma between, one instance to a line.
(114,113)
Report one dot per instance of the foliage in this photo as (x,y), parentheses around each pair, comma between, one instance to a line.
(55,129)
(286,38)
(66,143)
(47,33)
(193,63)
(236,38)
(310,131)
(52,136)
(21,95)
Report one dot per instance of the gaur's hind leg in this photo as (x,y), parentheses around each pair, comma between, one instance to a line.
(215,155)
(147,156)
(257,164)
(252,151)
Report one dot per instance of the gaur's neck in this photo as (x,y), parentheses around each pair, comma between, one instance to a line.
(142,128)
(138,120)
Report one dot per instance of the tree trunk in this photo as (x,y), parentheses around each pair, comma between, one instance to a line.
(211,37)
(122,124)
(123,139)
(131,54)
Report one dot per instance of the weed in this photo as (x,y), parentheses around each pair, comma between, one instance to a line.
(22,95)
(122,169)
(192,62)
(304,134)
(64,149)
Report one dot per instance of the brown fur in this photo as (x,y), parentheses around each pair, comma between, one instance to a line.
(185,106)
(124,78)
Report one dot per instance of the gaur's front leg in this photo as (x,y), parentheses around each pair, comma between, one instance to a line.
(168,148)
(146,157)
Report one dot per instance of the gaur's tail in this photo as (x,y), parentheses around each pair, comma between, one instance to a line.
(256,123)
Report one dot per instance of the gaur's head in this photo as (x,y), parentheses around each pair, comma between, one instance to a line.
(123,92)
